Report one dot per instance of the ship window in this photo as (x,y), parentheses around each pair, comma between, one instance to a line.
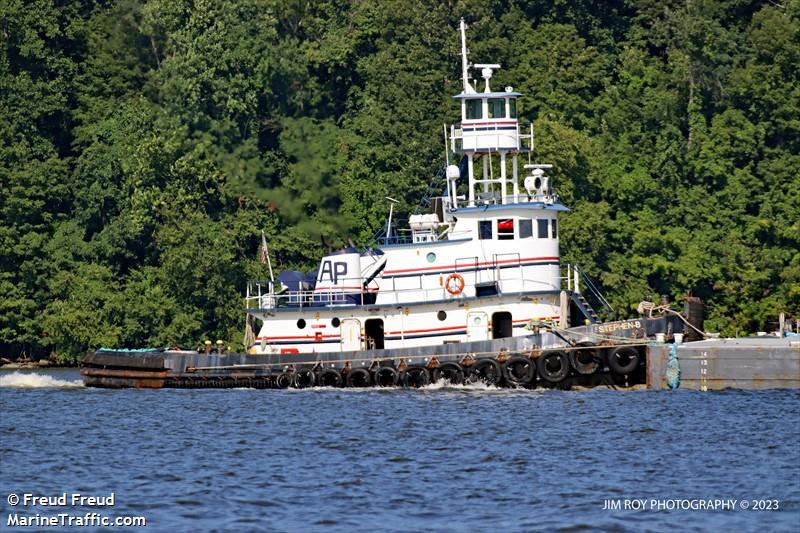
(485,229)
(525,228)
(474,109)
(505,229)
(441,315)
(542,227)
(301,324)
(497,108)
(335,322)
(555,228)
(512,108)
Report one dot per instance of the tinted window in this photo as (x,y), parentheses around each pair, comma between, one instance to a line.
(555,229)
(485,229)
(512,107)
(474,109)
(525,228)
(542,226)
(497,108)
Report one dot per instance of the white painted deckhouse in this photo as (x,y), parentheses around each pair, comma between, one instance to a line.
(482,265)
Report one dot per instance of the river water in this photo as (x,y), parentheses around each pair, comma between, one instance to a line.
(437,459)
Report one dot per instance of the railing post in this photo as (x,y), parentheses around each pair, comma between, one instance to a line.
(577,287)
(569,277)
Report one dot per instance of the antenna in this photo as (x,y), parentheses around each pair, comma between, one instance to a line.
(464,63)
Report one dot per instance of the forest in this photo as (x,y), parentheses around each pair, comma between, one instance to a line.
(145,145)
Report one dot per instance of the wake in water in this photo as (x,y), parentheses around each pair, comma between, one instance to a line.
(442,385)
(19,380)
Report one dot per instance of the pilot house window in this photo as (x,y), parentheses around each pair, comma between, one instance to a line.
(485,229)
(525,228)
(542,227)
(512,108)
(474,109)
(505,229)
(497,108)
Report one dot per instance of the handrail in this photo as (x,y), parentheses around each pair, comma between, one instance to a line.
(593,289)
(343,297)
(492,130)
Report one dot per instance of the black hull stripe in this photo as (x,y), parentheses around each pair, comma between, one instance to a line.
(391,337)
(468,269)
(427,335)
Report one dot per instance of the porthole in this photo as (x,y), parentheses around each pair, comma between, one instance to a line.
(335,322)
(431,257)
(441,315)
(301,324)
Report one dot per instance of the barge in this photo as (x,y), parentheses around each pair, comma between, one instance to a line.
(471,290)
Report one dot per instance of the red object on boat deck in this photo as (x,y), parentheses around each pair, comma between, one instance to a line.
(507,225)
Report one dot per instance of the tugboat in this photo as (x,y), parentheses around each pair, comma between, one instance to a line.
(473,290)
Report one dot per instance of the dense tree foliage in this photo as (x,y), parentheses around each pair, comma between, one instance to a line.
(145,145)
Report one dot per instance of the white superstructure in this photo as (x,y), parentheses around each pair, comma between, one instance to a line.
(483,265)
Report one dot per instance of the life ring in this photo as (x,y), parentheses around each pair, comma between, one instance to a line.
(454,288)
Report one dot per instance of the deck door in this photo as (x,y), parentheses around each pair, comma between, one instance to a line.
(477,326)
(350,329)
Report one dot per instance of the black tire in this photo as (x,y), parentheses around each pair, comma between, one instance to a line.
(585,361)
(553,366)
(283,381)
(416,377)
(330,377)
(452,372)
(623,360)
(486,370)
(519,371)
(359,378)
(304,378)
(386,376)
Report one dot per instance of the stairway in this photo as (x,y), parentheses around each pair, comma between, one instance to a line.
(584,305)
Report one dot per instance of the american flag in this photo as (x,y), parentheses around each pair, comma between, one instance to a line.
(263,255)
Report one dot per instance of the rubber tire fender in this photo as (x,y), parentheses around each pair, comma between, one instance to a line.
(553,366)
(416,377)
(284,380)
(359,377)
(330,377)
(453,372)
(386,376)
(623,360)
(577,358)
(486,370)
(513,378)
(304,378)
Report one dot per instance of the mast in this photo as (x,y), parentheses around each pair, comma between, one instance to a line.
(464,62)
